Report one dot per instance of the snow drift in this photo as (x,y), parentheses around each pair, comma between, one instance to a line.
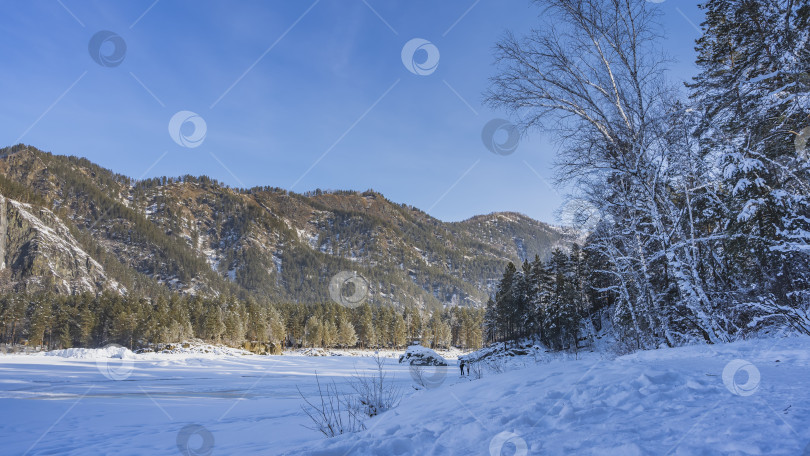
(110,351)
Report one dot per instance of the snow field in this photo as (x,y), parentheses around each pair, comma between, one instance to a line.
(111,401)
(685,401)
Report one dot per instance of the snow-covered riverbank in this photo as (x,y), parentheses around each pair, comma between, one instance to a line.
(674,401)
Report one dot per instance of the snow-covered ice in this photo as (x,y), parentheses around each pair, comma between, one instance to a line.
(111,401)
(683,401)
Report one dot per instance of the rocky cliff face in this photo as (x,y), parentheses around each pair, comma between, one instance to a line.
(194,235)
(3,232)
(37,251)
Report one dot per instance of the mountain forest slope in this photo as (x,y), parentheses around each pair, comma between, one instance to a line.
(70,226)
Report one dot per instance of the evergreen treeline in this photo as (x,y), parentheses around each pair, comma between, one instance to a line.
(703,201)
(555,301)
(56,321)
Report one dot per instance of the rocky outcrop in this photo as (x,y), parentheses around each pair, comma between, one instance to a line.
(41,253)
(3,232)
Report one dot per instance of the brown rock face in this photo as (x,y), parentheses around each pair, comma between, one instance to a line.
(40,253)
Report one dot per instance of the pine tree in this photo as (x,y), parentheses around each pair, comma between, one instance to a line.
(234,321)
(213,325)
(330,333)
(257,322)
(275,326)
(313,332)
(491,321)
(755,95)
(505,303)
(414,320)
(540,286)
(399,331)
(346,334)
(366,332)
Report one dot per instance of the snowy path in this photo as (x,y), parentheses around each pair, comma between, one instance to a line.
(662,402)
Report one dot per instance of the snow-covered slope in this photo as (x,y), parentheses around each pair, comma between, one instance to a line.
(683,401)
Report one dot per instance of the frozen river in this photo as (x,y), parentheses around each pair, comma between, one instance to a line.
(248,404)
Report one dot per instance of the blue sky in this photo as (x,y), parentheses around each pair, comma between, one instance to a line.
(294,94)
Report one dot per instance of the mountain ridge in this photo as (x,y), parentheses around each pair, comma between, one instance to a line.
(192,234)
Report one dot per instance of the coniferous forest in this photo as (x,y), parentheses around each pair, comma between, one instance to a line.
(52,321)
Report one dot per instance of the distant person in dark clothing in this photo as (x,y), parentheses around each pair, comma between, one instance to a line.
(461,366)
(468,369)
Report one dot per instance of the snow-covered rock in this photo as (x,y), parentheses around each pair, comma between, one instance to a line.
(111,351)
(164,351)
(314,352)
(418,355)
(195,347)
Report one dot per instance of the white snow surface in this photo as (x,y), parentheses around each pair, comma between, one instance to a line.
(670,401)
